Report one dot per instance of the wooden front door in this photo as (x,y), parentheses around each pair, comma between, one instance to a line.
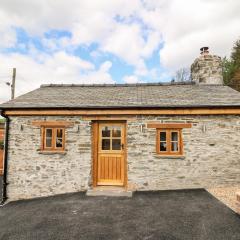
(111,154)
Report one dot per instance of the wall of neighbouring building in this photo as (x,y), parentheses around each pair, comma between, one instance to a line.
(211,157)
(1,147)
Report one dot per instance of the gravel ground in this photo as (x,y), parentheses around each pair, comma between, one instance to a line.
(228,196)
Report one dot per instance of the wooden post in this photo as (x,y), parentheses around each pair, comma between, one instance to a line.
(13,84)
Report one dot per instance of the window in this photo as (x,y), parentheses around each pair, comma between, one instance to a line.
(169,142)
(111,138)
(53,139)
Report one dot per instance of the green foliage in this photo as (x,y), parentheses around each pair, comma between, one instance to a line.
(1,144)
(232,65)
(229,69)
(235,56)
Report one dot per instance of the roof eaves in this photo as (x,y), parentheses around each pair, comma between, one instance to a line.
(122,107)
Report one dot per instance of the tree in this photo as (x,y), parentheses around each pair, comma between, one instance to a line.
(235,55)
(229,69)
(232,65)
(183,75)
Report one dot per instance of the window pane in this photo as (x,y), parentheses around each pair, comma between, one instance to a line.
(174,136)
(162,136)
(48,138)
(116,132)
(106,132)
(48,133)
(59,138)
(48,142)
(174,147)
(59,133)
(116,144)
(105,144)
(59,143)
(163,146)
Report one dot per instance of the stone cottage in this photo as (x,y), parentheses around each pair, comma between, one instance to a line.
(136,137)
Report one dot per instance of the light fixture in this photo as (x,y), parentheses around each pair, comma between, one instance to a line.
(142,127)
(204,128)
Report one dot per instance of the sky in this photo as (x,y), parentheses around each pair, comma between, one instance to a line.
(102,41)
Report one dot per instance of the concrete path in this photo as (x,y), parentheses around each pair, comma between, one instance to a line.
(166,215)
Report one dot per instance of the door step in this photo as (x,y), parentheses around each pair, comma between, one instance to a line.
(109,192)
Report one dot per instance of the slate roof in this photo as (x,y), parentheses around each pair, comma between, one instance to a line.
(126,96)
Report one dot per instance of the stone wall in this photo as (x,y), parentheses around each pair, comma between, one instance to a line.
(207,69)
(211,156)
(32,174)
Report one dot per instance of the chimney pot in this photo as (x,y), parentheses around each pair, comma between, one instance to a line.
(204,50)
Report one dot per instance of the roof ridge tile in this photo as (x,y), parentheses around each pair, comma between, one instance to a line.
(119,84)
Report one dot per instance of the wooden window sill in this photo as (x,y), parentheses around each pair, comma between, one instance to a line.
(47,152)
(171,156)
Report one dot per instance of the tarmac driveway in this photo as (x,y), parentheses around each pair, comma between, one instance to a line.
(165,215)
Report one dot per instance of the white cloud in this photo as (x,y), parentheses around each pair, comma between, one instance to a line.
(7,33)
(58,68)
(131,79)
(8,38)
(102,75)
(130,30)
(56,44)
(62,60)
(187,27)
(127,42)
(88,21)
(181,26)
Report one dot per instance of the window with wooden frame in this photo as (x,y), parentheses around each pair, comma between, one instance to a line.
(169,142)
(53,139)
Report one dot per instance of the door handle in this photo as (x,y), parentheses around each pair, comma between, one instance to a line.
(122,145)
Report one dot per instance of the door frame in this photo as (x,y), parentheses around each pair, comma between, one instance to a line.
(95,140)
